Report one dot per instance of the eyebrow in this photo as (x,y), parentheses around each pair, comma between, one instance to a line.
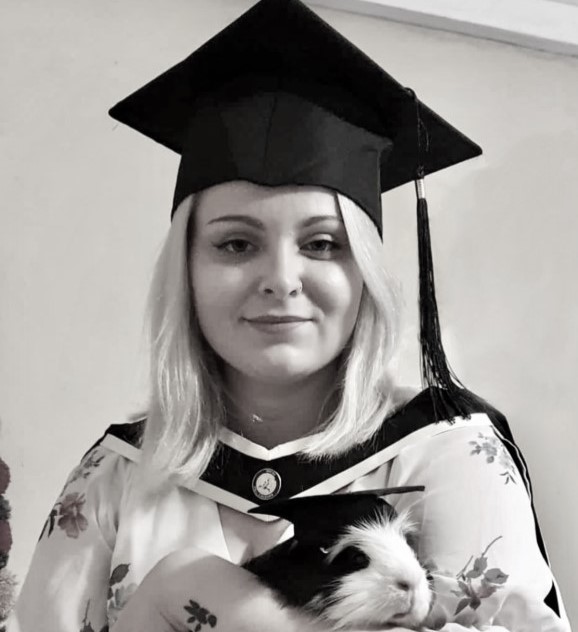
(252,221)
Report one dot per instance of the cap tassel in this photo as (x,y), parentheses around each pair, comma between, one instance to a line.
(449,396)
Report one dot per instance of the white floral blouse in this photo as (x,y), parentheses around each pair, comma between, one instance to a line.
(477,528)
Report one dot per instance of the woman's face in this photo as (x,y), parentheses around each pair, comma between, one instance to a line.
(260,251)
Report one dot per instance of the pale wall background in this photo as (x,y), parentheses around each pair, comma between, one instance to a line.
(86,204)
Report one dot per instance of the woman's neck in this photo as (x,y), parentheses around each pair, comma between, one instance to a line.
(272,414)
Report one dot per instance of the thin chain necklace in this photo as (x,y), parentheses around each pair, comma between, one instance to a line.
(238,412)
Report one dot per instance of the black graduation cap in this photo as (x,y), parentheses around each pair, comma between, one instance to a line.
(320,519)
(280,97)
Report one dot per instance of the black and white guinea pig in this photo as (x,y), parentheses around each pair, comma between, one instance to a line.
(350,563)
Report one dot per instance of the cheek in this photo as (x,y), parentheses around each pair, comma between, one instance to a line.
(215,287)
(339,294)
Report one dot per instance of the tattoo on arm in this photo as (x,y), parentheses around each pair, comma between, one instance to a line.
(199,617)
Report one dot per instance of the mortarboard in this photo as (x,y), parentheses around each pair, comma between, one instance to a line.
(319,520)
(280,97)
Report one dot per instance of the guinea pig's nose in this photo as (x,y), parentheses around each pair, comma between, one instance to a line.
(403,585)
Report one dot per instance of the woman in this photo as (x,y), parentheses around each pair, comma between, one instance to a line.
(285,150)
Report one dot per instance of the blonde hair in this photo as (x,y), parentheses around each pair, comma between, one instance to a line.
(187,405)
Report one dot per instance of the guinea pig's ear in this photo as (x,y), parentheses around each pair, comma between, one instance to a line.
(412,539)
(408,528)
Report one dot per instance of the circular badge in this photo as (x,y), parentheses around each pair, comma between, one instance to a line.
(266,484)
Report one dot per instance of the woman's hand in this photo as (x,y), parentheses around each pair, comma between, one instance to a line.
(192,590)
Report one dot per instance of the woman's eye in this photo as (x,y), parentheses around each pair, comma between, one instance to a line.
(327,245)
(234,246)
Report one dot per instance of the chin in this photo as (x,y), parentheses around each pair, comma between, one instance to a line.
(282,368)
(278,374)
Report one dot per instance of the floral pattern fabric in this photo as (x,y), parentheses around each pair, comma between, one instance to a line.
(478,582)
(68,511)
(495,452)
(68,508)
(92,460)
(119,592)
(475,524)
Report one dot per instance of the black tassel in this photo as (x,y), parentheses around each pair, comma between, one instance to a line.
(449,395)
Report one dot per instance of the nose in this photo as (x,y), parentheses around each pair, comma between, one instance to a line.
(417,598)
(280,274)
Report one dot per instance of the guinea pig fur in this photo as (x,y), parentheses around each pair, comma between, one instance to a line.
(368,577)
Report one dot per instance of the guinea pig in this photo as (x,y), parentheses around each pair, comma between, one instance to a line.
(350,563)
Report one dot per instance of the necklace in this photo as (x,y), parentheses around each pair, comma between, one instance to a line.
(239,413)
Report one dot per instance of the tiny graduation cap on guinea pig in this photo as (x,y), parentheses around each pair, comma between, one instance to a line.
(279,97)
(319,520)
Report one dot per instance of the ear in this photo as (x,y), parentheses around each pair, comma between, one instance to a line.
(406,525)
(413,540)
(410,532)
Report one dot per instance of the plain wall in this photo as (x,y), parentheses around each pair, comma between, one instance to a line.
(86,205)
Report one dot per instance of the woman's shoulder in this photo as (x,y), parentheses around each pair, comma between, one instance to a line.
(129,432)
(100,465)
(402,395)
(420,414)
(105,463)
(470,403)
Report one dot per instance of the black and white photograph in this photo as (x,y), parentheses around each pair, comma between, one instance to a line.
(289,316)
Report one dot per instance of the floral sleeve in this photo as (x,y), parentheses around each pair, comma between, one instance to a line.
(67,583)
(478,534)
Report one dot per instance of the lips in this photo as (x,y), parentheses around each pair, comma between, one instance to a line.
(277,319)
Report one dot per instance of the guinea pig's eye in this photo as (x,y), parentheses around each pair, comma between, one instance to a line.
(351,558)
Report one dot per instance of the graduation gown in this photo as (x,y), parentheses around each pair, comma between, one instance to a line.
(477,525)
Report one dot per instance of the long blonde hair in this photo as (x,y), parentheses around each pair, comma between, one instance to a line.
(187,406)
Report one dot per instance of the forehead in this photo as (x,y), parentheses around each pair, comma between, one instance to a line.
(288,204)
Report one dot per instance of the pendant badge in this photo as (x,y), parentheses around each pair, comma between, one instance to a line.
(266,484)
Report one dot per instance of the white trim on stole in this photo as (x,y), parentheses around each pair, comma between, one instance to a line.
(328,486)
